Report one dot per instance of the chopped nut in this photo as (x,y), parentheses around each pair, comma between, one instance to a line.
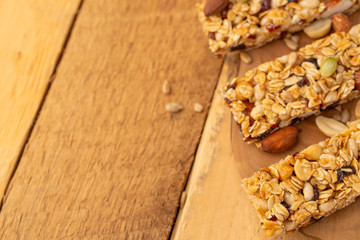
(295,38)
(327,206)
(166,88)
(337,117)
(313,152)
(245,57)
(303,170)
(354,147)
(173,107)
(285,171)
(291,44)
(198,107)
(345,116)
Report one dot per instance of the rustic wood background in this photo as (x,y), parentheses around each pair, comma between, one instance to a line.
(86,147)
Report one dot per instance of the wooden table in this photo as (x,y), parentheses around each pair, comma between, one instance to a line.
(86,147)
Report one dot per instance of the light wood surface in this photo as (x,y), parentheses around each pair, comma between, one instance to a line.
(32,34)
(105,160)
(216,205)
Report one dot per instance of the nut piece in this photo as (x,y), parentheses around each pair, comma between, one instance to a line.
(336,6)
(245,57)
(166,88)
(337,117)
(291,44)
(214,6)
(308,191)
(327,206)
(198,107)
(329,126)
(341,22)
(313,152)
(318,28)
(173,107)
(303,169)
(357,110)
(280,140)
(345,116)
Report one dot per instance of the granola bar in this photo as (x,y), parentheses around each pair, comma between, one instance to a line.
(280,93)
(304,187)
(250,24)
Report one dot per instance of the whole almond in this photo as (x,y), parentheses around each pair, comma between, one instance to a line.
(341,22)
(280,140)
(357,80)
(214,6)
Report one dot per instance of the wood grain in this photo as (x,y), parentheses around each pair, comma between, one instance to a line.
(216,205)
(32,34)
(105,160)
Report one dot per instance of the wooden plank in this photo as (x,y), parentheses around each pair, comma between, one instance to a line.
(105,160)
(216,205)
(32,34)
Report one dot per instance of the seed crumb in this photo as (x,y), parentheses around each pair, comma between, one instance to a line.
(166,88)
(338,108)
(173,107)
(198,107)
(295,38)
(345,115)
(291,44)
(245,57)
(337,117)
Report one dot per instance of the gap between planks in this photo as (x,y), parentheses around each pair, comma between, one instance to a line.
(183,195)
(51,79)
(203,156)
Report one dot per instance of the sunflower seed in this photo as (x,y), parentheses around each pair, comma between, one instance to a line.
(174,107)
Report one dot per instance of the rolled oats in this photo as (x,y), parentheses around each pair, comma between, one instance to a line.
(245,25)
(291,87)
(311,184)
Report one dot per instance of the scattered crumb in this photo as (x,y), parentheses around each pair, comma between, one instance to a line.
(198,107)
(173,107)
(245,57)
(166,88)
